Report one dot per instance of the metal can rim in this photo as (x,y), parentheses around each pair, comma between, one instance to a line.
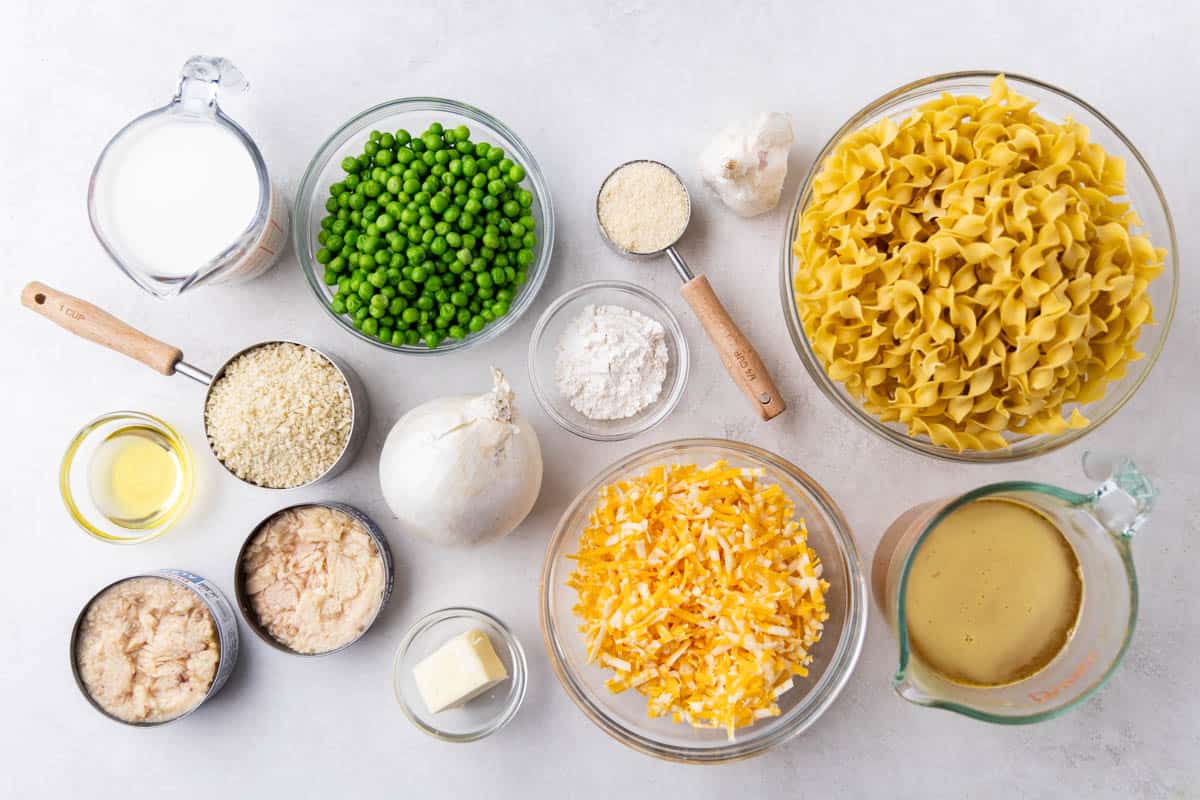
(227,640)
(381,545)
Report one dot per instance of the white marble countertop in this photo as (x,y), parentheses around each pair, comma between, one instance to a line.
(586,89)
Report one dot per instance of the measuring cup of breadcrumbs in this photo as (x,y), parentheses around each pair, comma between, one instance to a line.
(278,414)
(282,414)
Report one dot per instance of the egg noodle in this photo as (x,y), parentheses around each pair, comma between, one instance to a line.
(697,587)
(969,271)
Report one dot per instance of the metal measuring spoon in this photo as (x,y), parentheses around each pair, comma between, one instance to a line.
(737,354)
(95,324)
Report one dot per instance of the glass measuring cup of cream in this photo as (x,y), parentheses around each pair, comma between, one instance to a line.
(1016,601)
(181,196)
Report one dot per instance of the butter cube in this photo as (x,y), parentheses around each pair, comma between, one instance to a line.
(460,670)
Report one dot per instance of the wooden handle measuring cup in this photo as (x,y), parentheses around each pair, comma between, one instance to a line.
(86,320)
(737,354)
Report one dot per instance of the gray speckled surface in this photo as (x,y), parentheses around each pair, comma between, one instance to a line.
(586,89)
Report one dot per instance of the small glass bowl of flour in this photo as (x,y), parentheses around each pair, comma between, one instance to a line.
(608,360)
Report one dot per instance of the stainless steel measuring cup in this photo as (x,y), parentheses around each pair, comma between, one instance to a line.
(738,355)
(95,324)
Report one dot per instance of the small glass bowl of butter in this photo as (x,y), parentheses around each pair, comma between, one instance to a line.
(459,674)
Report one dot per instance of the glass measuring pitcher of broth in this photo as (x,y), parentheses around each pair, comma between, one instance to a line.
(180,196)
(1097,529)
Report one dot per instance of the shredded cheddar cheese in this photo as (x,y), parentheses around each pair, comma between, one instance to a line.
(698,589)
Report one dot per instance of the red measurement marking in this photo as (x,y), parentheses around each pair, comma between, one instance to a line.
(1070,680)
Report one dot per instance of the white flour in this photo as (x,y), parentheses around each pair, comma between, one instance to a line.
(612,362)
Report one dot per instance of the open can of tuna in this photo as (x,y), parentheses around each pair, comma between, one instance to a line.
(270,566)
(192,623)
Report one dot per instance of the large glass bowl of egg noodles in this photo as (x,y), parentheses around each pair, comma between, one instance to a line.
(682,633)
(979,267)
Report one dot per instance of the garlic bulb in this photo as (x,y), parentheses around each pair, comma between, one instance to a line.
(746,163)
(460,470)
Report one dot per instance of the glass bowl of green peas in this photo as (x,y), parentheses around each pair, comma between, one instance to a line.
(424,226)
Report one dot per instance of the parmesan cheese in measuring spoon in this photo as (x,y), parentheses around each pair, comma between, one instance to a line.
(181,195)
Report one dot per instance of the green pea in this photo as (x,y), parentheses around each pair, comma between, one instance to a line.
(370,326)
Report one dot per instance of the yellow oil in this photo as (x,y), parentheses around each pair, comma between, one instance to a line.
(136,477)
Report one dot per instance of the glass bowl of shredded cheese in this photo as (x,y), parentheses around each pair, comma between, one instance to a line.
(988,300)
(702,601)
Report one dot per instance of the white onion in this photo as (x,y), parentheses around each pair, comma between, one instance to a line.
(461,470)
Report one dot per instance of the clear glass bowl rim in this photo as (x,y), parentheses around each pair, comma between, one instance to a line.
(841,663)
(309,189)
(851,407)
(519,675)
(674,329)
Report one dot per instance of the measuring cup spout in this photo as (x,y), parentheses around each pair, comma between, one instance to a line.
(1125,497)
(904,686)
(202,78)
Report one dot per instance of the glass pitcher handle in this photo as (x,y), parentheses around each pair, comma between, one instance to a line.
(1125,497)
(202,79)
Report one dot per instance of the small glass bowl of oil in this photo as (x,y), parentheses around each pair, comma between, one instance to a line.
(127,477)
